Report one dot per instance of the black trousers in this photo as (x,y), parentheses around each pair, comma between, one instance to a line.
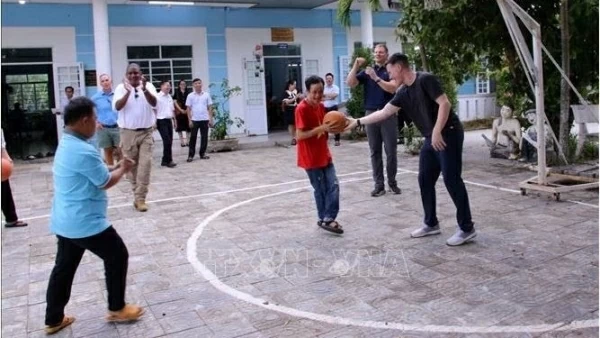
(165,128)
(107,245)
(8,204)
(449,163)
(203,127)
(327,110)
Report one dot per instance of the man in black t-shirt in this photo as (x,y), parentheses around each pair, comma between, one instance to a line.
(422,99)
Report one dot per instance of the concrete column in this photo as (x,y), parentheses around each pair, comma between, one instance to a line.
(366,24)
(101,37)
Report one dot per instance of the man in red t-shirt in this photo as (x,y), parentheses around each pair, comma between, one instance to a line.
(314,155)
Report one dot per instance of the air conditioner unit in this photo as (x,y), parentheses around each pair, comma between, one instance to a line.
(394,5)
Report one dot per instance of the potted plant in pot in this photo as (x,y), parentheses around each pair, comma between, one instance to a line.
(219,136)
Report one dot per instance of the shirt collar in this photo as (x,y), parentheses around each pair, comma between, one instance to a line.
(71,132)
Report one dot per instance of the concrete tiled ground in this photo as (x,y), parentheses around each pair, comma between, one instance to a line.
(535,261)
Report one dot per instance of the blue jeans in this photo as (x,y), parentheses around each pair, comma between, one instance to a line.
(327,191)
(449,163)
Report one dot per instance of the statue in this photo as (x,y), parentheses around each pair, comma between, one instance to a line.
(529,144)
(506,136)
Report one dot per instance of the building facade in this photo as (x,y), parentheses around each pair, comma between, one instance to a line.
(48,46)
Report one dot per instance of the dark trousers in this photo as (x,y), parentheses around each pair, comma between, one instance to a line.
(203,127)
(165,128)
(107,245)
(8,204)
(386,133)
(338,136)
(449,163)
(327,191)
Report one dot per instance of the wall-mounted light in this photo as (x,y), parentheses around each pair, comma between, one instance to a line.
(22,2)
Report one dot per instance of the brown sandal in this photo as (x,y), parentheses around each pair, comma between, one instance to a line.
(65,322)
(332,226)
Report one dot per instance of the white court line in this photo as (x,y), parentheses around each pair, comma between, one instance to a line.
(177,198)
(192,257)
(215,193)
(482,185)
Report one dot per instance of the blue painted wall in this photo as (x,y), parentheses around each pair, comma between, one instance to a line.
(215,20)
(467,88)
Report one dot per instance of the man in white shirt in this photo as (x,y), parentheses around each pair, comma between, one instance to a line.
(331,93)
(134,99)
(199,110)
(165,118)
(64,101)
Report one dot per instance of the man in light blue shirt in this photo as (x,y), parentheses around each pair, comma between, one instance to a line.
(107,132)
(79,218)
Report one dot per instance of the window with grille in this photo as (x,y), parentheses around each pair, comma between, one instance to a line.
(312,67)
(482,83)
(163,63)
(30,91)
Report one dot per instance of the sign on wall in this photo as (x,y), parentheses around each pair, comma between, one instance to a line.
(90,78)
(280,34)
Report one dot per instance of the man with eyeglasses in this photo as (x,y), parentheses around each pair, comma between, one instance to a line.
(134,99)
(107,132)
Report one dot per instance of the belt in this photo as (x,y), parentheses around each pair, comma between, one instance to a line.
(110,126)
(138,129)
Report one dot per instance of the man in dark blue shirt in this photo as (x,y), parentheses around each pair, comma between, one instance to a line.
(422,99)
(379,89)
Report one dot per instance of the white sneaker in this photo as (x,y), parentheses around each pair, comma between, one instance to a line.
(426,231)
(461,237)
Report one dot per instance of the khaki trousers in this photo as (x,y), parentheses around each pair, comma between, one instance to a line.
(137,145)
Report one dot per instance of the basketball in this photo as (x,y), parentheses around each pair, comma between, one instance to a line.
(7,168)
(336,120)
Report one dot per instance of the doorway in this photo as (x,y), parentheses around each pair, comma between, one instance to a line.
(283,62)
(28,123)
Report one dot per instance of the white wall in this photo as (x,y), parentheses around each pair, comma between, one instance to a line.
(316,43)
(60,39)
(380,34)
(122,37)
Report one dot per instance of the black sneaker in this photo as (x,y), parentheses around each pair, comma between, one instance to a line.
(169,165)
(378,192)
(395,190)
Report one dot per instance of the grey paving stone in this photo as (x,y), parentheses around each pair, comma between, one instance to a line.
(534,262)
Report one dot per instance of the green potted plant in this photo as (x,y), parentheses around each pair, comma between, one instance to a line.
(355,104)
(413,139)
(219,135)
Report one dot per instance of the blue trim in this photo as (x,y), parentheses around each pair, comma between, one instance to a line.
(57,15)
(467,88)
(340,47)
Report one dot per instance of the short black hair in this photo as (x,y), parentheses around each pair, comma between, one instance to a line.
(196,80)
(311,80)
(329,74)
(69,87)
(382,45)
(163,82)
(77,109)
(398,58)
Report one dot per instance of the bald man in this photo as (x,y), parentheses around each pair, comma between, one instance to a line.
(134,99)
(107,129)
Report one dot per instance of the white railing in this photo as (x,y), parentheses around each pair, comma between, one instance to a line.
(474,107)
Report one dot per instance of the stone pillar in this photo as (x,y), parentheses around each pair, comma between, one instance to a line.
(366,24)
(101,38)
